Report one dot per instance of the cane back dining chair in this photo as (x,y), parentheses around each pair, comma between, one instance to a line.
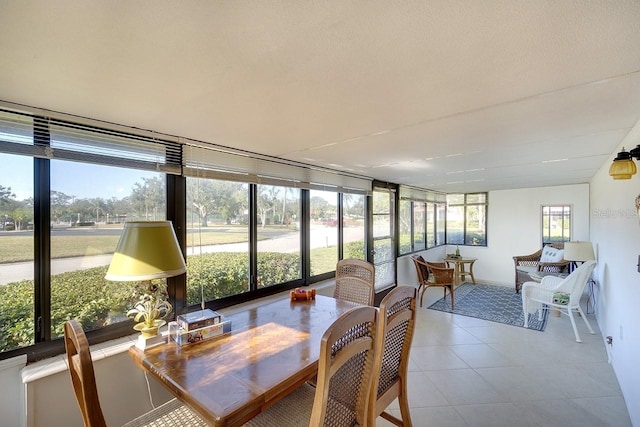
(433,274)
(172,413)
(393,343)
(355,281)
(561,293)
(345,377)
(352,267)
(354,289)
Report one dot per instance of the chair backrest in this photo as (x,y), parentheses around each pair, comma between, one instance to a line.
(82,374)
(575,282)
(422,270)
(440,272)
(354,289)
(393,343)
(345,368)
(352,267)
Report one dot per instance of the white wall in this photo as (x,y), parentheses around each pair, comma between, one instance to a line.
(615,232)
(11,399)
(50,401)
(515,226)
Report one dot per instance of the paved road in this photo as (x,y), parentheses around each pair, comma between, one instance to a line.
(320,237)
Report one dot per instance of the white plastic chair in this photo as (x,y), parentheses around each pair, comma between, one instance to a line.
(539,296)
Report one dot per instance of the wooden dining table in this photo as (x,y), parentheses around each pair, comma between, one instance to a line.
(271,350)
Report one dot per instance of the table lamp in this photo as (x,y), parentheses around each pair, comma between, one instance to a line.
(578,251)
(147,250)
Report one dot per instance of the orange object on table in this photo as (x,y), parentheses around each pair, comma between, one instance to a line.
(302,294)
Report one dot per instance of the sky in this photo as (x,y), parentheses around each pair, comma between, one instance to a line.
(81,180)
(76,179)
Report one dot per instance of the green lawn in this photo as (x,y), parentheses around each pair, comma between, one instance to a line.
(20,248)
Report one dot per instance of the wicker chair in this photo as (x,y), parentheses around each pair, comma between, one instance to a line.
(525,264)
(561,293)
(397,322)
(345,369)
(352,267)
(172,413)
(354,289)
(433,274)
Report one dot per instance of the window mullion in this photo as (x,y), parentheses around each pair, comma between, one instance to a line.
(42,237)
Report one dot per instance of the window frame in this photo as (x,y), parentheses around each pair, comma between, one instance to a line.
(565,217)
(465,205)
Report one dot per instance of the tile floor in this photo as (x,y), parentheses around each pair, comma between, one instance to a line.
(471,372)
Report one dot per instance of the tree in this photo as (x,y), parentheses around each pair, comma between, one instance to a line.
(201,197)
(232,200)
(60,205)
(148,198)
(267,202)
(19,216)
(5,195)
(319,208)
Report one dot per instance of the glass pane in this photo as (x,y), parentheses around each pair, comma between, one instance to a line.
(431,225)
(217,239)
(476,198)
(324,231)
(405,226)
(455,225)
(455,199)
(476,232)
(383,260)
(86,223)
(418,226)
(16,252)
(556,224)
(441,211)
(279,251)
(383,238)
(353,230)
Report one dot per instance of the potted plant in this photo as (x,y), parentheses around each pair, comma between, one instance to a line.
(152,307)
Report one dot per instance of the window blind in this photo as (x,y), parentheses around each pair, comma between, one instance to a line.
(53,138)
(421,195)
(237,166)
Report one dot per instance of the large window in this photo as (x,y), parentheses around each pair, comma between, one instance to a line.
(384,237)
(16,252)
(65,191)
(86,223)
(420,224)
(323,223)
(217,239)
(249,226)
(556,224)
(405,224)
(467,219)
(353,226)
(279,248)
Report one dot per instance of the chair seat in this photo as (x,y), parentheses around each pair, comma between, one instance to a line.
(293,410)
(527,268)
(172,413)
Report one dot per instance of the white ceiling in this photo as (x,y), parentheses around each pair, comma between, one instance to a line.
(446,95)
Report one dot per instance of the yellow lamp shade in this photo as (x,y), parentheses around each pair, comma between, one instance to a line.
(147,250)
(622,169)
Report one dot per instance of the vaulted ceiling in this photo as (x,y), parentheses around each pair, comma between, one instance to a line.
(446,95)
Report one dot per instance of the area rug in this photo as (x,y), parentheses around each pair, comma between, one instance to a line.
(495,303)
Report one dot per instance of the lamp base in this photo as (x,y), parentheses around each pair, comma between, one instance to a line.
(144,343)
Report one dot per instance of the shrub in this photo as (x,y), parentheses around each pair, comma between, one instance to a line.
(85,294)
